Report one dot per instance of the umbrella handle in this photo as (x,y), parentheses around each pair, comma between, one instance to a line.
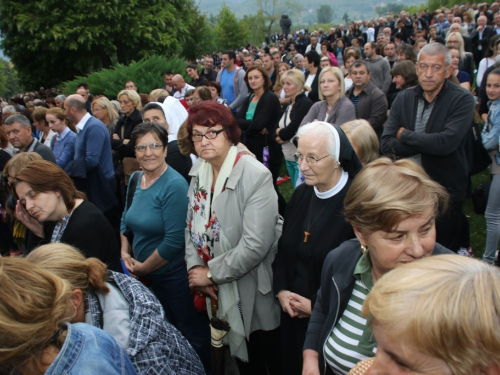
(214,305)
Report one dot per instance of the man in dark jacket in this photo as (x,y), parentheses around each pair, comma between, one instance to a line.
(18,129)
(369,101)
(429,123)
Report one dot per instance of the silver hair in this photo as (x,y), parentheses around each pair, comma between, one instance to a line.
(321,130)
(8,108)
(61,97)
(297,56)
(434,49)
(20,119)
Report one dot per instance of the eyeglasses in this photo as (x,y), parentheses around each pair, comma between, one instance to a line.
(311,160)
(211,134)
(152,146)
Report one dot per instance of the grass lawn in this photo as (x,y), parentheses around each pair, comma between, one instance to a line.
(476,222)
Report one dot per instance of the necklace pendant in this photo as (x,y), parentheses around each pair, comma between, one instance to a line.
(306,235)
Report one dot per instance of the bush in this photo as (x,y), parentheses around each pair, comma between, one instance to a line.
(146,74)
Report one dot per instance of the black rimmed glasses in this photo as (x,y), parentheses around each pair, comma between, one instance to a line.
(211,134)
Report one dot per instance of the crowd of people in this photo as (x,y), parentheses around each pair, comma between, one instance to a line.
(147,234)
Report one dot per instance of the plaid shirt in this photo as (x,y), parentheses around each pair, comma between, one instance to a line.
(155,346)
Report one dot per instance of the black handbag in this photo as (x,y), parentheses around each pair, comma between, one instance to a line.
(480,197)
(477,157)
(130,198)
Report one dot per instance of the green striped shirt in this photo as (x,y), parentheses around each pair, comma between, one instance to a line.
(351,340)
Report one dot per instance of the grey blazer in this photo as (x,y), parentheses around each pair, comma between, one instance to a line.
(343,110)
(247,211)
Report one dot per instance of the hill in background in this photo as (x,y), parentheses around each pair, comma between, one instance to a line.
(356,9)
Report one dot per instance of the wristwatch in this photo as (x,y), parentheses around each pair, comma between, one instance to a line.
(209,276)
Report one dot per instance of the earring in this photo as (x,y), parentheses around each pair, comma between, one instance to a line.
(364,249)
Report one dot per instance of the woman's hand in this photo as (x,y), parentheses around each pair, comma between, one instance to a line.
(301,305)
(29,221)
(137,268)
(125,253)
(284,298)
(198,277)
(127,260)
(115,136)
(311,365)
(211,290)
(126,141)
(280,141)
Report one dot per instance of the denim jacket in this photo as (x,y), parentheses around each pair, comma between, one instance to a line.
(491,137)
(90,350)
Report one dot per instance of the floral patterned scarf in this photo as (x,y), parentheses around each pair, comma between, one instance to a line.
(206,232)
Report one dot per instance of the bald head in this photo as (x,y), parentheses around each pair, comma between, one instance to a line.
(178,82)
(75,107)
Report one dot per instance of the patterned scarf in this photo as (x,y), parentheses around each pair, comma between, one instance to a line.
(205,233)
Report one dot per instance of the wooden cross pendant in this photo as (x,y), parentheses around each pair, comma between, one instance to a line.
(306,234)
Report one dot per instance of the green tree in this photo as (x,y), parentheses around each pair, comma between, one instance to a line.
(256,27)
(324,14)
(9,81)
(346,18)
(230,33)
(272,10)
(51,41)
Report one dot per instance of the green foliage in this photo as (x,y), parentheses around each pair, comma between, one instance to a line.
(202,40)
(146,74)
(324,14)
(51,41)
(382,10)
(9,81)
(255,26)
(346,18)
(272,10)
(230,33)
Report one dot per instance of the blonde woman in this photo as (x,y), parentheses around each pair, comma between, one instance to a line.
(130,103)
(35,306)
(123,307)
(466,62)
(437,316)
(105,111)
(363,139)
(334,107)
(157,93)
(293,82)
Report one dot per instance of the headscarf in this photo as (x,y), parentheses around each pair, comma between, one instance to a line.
(175,115)
(344,152)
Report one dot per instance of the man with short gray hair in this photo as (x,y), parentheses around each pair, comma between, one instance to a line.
(59,99)
(430,123)
(298,62)
(18,129)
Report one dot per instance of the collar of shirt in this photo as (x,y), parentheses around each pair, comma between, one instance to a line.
(63,134)
(83,121)
(363,270)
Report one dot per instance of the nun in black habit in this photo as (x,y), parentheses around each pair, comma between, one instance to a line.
(314,225)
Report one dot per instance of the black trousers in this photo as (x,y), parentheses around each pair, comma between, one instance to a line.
(263,354)
(452,227)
